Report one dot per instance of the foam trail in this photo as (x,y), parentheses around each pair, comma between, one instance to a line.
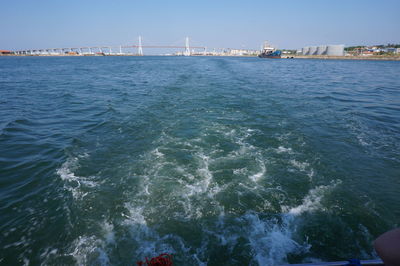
(204,172)
(73,183)
(312,201)
(148,243)
(282,149)
(87,248)
(256,177)
(270,241)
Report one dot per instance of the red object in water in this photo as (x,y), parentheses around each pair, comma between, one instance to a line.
(161,260)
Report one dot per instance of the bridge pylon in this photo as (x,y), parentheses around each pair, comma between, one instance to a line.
(140,49)
(187,47)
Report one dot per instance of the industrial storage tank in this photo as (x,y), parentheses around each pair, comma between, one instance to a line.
(305,50)
(335,50)
(321,50)
(313,50)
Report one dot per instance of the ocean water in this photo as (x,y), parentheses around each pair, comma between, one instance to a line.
(218,161)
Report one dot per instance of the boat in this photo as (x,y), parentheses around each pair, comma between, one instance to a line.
(269,52)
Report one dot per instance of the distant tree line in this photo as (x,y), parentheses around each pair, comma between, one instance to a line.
(389,45)
(392,45)
(351,48)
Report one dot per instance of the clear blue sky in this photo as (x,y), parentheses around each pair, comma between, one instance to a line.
(213,23)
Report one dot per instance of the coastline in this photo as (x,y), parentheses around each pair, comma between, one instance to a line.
(324,57)
(373,57)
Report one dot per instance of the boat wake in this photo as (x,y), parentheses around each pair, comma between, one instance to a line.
(200,200)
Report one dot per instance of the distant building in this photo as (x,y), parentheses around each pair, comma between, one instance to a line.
(368,52)
(5,52)
(241,52)
(391,50)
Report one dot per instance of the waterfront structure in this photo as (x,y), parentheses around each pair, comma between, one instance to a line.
(330,50)
(305,50)
(313,50)
(321,50)
(335,50)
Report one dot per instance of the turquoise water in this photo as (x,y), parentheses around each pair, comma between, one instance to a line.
(218,161)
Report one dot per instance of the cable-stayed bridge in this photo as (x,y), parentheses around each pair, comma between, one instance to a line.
(136,49)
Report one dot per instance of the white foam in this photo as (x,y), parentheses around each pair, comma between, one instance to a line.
(203,179)
(135,215)
(148,242)
(256,177)
(359,131)
(109,234)
(311,174)
(284,136)
(282,149)
(158,153)
(303,167)
(204,172)
(47,253)
(85,249)
(299,165)
(361,140)
(270,241)
(72,182)
(240,171)
(312,201)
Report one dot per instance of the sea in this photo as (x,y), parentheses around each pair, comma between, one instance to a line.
(213,160)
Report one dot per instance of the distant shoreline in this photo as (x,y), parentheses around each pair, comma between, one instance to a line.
(373,57)
(324,57)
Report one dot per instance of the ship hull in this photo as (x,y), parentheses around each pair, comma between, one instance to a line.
(275,54)
(269,56)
